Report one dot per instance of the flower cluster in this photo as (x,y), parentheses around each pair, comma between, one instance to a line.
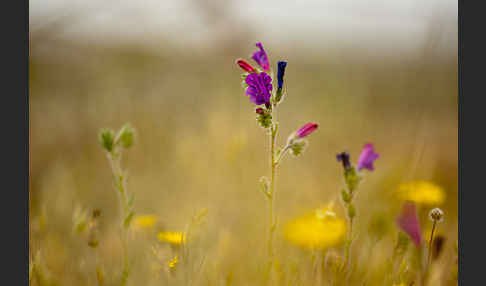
(257,82)
(352,178)
(259,88)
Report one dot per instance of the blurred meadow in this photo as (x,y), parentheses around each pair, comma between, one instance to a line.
(385,74)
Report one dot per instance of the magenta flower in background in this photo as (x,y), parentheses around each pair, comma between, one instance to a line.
(408,222)
(259,88)
(305,130)
(367,157)
(245,65)
(261,57)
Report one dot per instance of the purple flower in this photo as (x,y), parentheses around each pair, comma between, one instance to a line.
(305,130)
(409,223)
(259,87)
(367,157)
(344,157)
(261,57)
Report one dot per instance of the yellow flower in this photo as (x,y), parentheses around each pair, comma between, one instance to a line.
(421,192)
(172,237)
(173,262)
(401,284)
(319,229)
(144,221)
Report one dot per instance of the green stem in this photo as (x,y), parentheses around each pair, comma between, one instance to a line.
(430,244)
(348,244)
(272,192)
(271,203)
(119,183)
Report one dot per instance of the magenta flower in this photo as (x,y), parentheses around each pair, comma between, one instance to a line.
(305,130)
(261,57)
(409,223)
(367,157)
(245,65)
(259,88)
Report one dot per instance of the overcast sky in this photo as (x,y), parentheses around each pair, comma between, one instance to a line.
(377,25)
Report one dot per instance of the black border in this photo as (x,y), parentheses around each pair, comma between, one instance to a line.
(472,62)
(14,25)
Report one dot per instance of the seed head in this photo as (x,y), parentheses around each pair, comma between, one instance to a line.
(436,215)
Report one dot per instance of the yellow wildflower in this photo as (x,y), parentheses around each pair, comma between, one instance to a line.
(319,229)
(173,262)
(172,237)
(144,221)
(421,192)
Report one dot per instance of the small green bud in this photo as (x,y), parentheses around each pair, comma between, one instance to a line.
(352,179)
(345,196)
(297,147)
(351,211)
(264,117)
(126,136)
(106,138)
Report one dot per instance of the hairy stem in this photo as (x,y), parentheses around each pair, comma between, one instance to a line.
(348,244)
(430,244)
(119,184)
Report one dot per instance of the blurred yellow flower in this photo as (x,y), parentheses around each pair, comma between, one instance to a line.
(319,229)
(172,237)
(421,192)
(401,284)
(173,262)
(144,221)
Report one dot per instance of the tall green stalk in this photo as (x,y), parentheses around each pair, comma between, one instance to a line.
(114,146)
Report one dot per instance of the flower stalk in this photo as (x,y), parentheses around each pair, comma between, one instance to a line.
(113,147)
(352,179)
(259,88)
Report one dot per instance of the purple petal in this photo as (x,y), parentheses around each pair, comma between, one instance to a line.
(261,57)
(259,88)
(367,157)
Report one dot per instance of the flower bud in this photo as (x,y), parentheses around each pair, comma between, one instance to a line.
(344,158)
(297,147)
(106,139)
(281,65)
(436,215)
(264,118)
(259,110)
(245,65)
(306,130)
(126,136)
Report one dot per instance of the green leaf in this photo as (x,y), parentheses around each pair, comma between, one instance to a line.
(128,219)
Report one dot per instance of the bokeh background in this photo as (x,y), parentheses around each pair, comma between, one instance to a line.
(367,71)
